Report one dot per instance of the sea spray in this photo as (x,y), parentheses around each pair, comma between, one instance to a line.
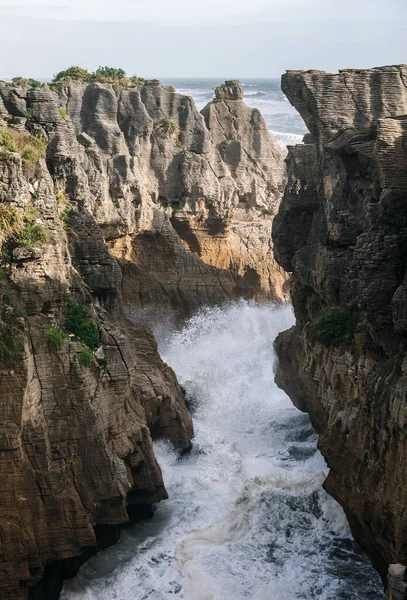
(247,516)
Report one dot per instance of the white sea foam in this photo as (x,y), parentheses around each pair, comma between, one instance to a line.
(247,517)
(287,139)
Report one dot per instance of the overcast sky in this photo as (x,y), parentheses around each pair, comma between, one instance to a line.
(210,38)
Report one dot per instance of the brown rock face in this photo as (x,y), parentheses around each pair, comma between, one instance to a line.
(137,200)
(176,196)
(342,231)
(76,426)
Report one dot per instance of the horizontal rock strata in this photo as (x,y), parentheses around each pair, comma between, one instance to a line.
(342,232)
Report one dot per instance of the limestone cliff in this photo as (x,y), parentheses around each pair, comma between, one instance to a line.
(342,232)
(110,199)
(176,197)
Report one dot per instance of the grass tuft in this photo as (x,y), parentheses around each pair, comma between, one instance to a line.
(85,329)
(55,337)
(168,127)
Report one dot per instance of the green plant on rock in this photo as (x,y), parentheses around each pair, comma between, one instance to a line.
(334,325)
(26,83)
(168,127)
(8,350)
(20,82)
(231,82)
(34,83)
(85,329)
(55,337)
(32,235)
(8,298)
(30,114)
(109,75)
(63,113)
(137,82)
(30,147)
(85,358)
(10,220)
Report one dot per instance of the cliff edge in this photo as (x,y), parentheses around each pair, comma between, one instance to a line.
(342,232)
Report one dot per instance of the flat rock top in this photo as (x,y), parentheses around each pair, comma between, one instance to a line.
(355,98)
(230,90)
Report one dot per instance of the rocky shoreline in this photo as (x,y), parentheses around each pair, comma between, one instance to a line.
(117,199)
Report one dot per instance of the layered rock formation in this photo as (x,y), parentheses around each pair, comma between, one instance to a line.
(185,203)
(342,232)
(132,198)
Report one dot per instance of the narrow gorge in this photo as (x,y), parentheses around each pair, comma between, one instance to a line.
(136,229)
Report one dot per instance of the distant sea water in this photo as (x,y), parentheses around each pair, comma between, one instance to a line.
(265,94)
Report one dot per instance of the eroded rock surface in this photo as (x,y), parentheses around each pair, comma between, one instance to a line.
(139,200)
(184,201)
(342,231)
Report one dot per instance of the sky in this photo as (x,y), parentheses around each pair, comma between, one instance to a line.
(209,38)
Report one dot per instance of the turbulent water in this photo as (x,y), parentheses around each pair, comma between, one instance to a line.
(247,517)
(265,94)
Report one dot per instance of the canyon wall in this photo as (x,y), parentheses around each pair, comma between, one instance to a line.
(342,232)
(111,200)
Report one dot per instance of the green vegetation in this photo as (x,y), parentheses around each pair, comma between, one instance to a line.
(30,114)
(85,329)
(55,337)
(26,83)
(34,83)
(75,73)
(10,220)
(85,358)
(232,82)
(31,236)
(32,233)
(8,298)
(30,147)
(63,113)
(168,127)
(334,325)
(7,350)
(20,82)
(116,77)
(61,197)
(217,100)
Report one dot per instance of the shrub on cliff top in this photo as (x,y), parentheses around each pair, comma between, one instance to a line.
(75,73)
(26,83)
(231,82)
(334,325)
(109,75)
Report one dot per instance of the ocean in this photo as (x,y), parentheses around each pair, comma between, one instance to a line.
(265,94)
(247,517)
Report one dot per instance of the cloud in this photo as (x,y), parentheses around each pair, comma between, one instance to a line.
(250,50)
